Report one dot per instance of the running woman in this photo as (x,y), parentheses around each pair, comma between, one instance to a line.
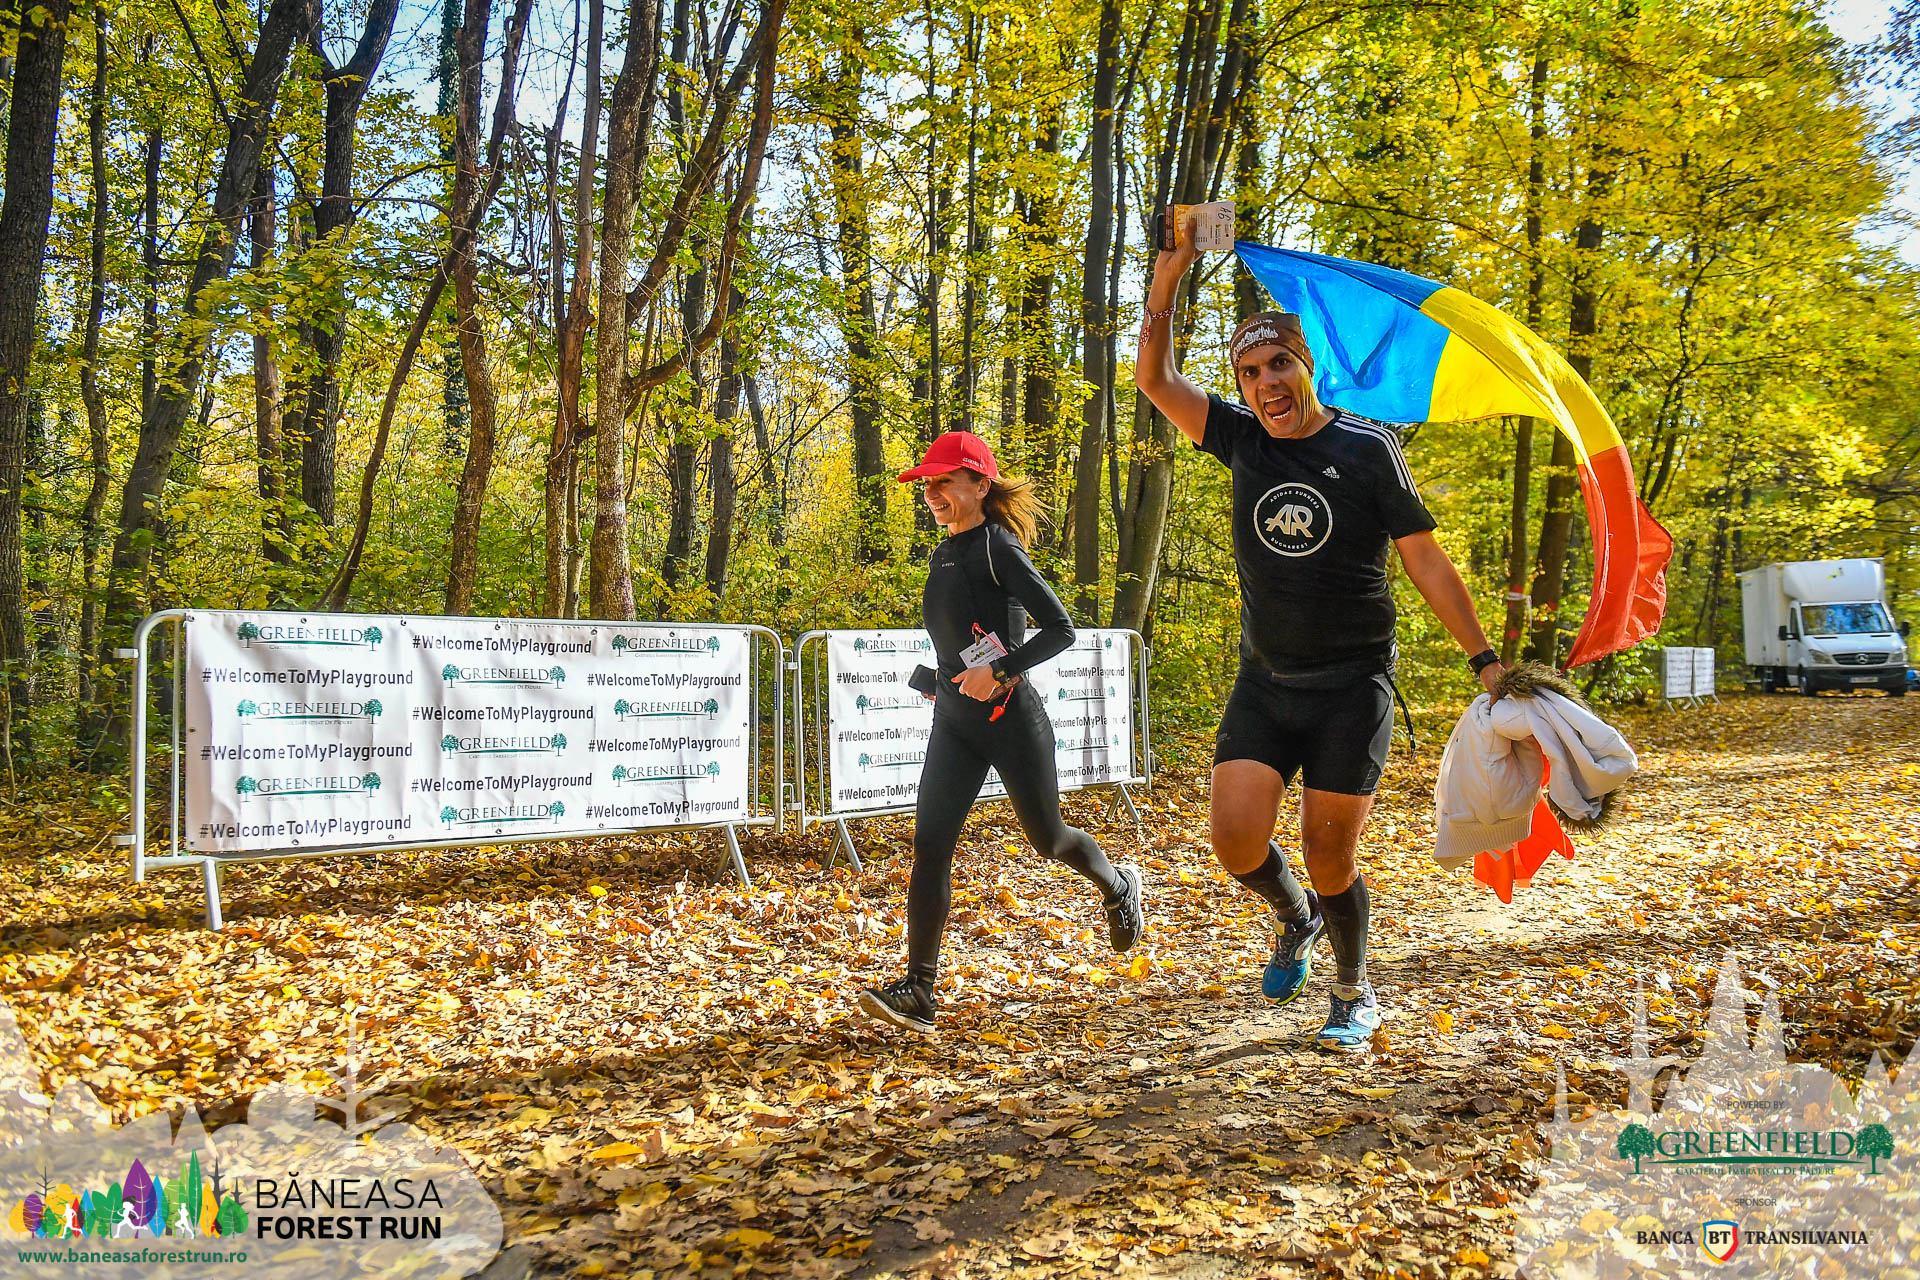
(1318,494)
(981,588)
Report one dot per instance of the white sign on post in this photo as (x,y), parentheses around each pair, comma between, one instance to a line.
(878,726)
(1676,674)
(1703,680)
(353,729)
(1089,695)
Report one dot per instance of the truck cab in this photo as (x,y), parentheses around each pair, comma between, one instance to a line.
(1845,645)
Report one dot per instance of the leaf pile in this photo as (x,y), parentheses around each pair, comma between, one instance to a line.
(656,1073)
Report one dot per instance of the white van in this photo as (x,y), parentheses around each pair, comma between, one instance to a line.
(1822,624)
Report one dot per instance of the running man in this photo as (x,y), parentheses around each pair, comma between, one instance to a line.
(1318,494)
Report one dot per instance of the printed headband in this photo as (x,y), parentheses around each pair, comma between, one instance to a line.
(1270,328)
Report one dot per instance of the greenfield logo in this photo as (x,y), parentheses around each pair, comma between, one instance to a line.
(325,712)
(880,702)
(1824,1148)
(887,644)
(488,744)
(279,788)
(643,774)
(691,709)
(1085,695)
(551,677)
(275,634)
(489,815)
(892,759)
(668,643)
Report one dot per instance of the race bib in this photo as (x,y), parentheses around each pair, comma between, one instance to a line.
(983,652)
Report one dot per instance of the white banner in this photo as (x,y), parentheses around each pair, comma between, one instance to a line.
(363,730)
(877,725)
(1703,683)
(1676,673)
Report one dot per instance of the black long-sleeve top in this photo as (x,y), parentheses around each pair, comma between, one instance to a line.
(961,590)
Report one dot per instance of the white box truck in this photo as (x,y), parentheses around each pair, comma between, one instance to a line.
(1822,624)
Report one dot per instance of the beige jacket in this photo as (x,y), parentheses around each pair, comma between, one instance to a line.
(1490,773)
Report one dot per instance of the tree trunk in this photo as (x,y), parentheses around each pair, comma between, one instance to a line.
(1524,428)
(1039,397)
(1096,323)
(340,587)
(858,321)
(1187,158)
(563,456)
(610,573)
(96,406)
(149,258)
(333,216)
(275,533)
(1563,483)
(463,545)
(174,397)
(723,481)
(33,126)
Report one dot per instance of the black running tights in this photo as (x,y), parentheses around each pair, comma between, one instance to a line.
(1020,746)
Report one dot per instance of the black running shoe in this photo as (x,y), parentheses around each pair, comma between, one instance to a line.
(1127,914)
(903,1003)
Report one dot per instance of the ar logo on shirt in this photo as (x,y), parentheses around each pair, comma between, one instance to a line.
(1293,519)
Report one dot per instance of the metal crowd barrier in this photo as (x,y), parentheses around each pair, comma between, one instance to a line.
(809,792)
(765,689)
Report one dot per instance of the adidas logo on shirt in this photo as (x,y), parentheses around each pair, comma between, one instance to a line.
(1331,473)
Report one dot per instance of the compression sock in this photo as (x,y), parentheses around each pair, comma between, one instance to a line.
(1083,853)
(1347,913)
(1273,880)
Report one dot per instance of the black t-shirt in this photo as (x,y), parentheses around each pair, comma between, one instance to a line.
(961,590)
(1311,522)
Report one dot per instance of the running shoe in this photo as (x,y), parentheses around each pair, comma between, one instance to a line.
(1292,961)
(1352,1020)
(1127,914)
(903,1003)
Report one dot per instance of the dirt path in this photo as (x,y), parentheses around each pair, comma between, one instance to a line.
(656,1073)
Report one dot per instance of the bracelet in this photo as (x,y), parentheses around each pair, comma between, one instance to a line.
(1151,315)
(1482,660)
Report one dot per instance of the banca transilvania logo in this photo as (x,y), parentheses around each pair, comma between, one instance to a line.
(1750,1164)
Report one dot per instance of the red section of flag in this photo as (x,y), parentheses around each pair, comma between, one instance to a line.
(1630,554)
(1500,870)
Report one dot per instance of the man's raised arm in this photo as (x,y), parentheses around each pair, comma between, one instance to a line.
(1171,391)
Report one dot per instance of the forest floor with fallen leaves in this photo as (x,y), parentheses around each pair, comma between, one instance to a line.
(657,1073)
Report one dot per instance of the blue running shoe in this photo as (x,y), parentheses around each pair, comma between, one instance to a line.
(1292,961)
(1352,1021)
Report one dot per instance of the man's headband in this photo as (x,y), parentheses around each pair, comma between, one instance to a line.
(1270,328)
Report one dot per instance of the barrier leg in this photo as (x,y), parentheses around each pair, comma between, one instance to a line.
(1125,797)
(210,876)
(843,839)
(734,855)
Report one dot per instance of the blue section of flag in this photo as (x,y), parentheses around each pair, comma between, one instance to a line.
(1374,352)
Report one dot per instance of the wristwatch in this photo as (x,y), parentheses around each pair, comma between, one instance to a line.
(1482,660)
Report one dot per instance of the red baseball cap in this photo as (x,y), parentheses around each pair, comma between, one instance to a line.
(952,451)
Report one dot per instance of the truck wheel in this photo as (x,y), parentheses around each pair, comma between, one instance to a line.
(1766,681)
(1898,692)
(1806,685)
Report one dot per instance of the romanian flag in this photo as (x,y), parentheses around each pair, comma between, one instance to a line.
(1397,348)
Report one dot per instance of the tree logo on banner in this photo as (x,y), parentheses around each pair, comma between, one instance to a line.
(277,634)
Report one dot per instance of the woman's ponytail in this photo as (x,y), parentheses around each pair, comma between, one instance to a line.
(1014,505)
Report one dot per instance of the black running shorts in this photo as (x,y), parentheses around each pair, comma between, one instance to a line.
(1336,739)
